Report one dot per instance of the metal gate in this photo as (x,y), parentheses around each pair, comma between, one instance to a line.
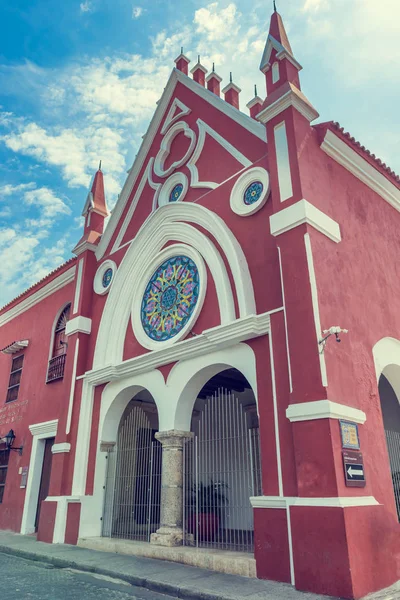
(393,444)
(222,469)
(133,482)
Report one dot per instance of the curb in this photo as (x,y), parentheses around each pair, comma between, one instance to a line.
(155,586)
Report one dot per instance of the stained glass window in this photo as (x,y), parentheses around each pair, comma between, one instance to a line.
(175,192)
(107,276)
(170,298)
(253,192)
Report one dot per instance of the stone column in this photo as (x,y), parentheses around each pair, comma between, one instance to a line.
(170,532)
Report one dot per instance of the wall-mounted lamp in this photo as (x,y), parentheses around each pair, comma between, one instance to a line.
(9,441)
(336,331)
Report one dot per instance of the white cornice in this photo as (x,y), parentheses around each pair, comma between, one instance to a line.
(290,98)
(231,86)
(176,77)
(78,325)
(304,212)
(52,287)
(361,168)
(324,409)
(62,448)
(47,427)
(335,502)
(254,101)
(80,248)
(15,347)
(210,340)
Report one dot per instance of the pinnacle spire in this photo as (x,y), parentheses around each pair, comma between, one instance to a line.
(275,6)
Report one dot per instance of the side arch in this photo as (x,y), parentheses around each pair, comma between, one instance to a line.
(187,378)
(386,355)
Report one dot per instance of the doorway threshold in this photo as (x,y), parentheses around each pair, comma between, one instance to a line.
(222,561)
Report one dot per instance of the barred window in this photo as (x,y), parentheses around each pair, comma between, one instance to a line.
(4,456)
(15,378)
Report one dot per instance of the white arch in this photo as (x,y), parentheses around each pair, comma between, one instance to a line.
(115,398)
(160,227)
(188,377)
(386,355)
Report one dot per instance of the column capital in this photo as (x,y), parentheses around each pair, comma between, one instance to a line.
(173,438)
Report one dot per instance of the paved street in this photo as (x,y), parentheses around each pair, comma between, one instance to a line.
(24,579)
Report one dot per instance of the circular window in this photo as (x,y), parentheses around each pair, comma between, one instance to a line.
(174,189)
(107,278)
(176,192)
(170,298)
(104,277)
(253,192)
(250,191)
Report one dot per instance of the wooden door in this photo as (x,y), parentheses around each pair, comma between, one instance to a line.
(45,478)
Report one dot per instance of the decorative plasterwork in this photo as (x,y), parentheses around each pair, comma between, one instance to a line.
(335,502)
(303,212)
(15,347)
(219,104)
(176,111)
(151,266)
(78,325)
(208,341)
(324,409)
(146,178)
(203,130)
(292,97)
(166,224)
(281,53)
(62,448)
(98,286)
(242,183)
(47,427)
(361,168)
(52,287)
(180,127)
(168,186)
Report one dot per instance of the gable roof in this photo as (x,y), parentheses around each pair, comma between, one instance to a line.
(176,77)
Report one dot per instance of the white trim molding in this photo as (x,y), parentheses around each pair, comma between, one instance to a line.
(335,502)
(205,129)
(78,285)
(174,114)
(61,448)
(293,97)
(60,523)
(52,287)
(40,432)
(163,153)
(283,162)
(78,325)
(151,268)
(303,212)
(15,347)
(324,409)
(219,104)
(360,168)
(163,194)
(315,306)
(174,222)
(211,340)
(242,183)
(46,429)
(98,278)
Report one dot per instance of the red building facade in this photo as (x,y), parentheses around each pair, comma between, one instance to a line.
(189,347)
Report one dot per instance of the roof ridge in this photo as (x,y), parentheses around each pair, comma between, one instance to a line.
(336,125)
(34,285)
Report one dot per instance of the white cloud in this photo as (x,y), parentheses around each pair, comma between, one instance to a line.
(8,189)
(5,212)
(314,5)
(215,23)
(50,205)
(137,12)
(86,7)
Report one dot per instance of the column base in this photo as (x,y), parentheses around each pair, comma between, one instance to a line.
(167,536)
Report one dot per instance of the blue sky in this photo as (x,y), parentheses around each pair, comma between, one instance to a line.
(79,82)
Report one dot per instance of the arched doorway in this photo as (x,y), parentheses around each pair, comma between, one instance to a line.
(133,481)
(222,465)
(391,421)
